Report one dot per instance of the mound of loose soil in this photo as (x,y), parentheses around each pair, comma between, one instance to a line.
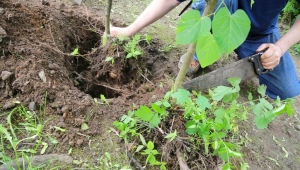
(38,70)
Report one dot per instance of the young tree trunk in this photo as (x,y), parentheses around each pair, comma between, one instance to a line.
(209,9)
(107,22)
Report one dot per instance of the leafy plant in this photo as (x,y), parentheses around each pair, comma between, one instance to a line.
(132,48)
(102,100)
(210,119)
(265,112)
(214,117)
(228,32)
(75,51)
(110,59)
(290,11)
(15,135)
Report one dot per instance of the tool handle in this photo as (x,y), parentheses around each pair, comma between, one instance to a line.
(255,59)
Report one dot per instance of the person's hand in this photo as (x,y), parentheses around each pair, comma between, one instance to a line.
(271,57)
(120,31)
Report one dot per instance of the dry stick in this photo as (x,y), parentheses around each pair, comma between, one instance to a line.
(181,161)
(192,48)
(135,162)
(147,79)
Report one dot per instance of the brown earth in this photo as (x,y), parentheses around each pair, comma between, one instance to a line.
(38,70)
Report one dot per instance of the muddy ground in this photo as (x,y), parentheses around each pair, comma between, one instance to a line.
(38,70)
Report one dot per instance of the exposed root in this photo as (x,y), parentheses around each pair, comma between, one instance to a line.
(182,163)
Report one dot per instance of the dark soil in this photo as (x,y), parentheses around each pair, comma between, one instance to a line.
(38,70)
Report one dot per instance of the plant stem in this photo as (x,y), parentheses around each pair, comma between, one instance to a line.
(107,22)
(209,9)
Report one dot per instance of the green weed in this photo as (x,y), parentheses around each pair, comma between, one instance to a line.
(211,119)
(22,138)
(132,48)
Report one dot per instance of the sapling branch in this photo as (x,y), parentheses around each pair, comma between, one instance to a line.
(107,22)
(209,9)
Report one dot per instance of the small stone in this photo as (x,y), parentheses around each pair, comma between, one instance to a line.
(65,109)
(42,76)
(2,32)
(6,75)
(78,2)
(79,142)
(9,105)
(53,66)
(52,72)
(32,106)
(1,10)
(297,127)
(61,124)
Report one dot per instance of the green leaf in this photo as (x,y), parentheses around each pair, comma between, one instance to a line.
(261,122)
(150,145)
(228,98)
(257,110)
(129,55)
(154,121)
(110,59)
(147,115)
(191,127)
(251,4)
(266,104)
(250,96)
(220,92)
(244,166)
(234,81)
(203,102)
(75,52)
(144,113)
(215,145)
(84,126)
(229,30)
(53,140)
(171,136)
(59,129)
(139,148)
(262,90)
(207,49)
(182,96)
(193,25)
(226,166)
(289,106)
(223,154)
(162,167)
(142,139)
(156,108)
(234,154)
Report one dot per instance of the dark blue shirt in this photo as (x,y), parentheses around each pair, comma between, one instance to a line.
(263,14)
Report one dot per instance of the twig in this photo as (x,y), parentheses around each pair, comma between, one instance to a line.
(67,54)
(83,135)
(172,124)
(182,164)
(135,162)
(147,79)
(110,87)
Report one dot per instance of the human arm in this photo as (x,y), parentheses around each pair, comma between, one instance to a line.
(156,10)
(271,57)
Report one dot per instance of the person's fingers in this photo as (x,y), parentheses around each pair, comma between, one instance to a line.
(271,57)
